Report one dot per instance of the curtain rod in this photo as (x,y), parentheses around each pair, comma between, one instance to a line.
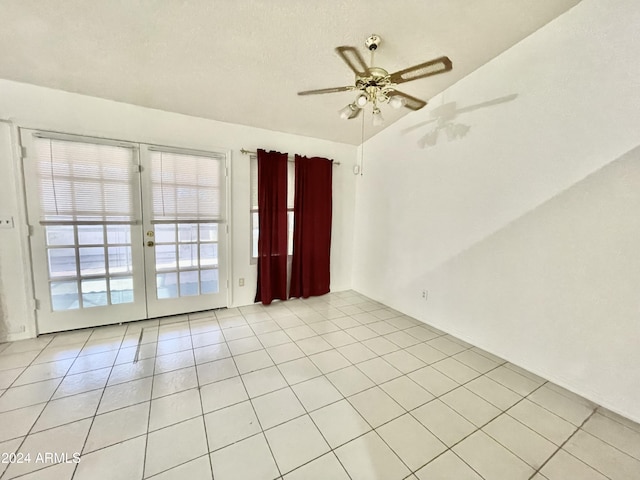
(249,152)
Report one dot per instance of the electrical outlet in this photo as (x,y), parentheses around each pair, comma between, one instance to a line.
(425,294)
(241,282)
(6,222)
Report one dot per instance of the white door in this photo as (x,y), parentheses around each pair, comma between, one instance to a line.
(89,232)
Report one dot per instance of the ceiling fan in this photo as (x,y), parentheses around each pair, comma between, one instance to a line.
(376,86)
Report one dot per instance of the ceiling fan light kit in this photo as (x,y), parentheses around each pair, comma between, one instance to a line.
(375,86)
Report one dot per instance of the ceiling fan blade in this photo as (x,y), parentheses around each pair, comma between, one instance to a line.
(412,103)
(354,60)
(325,90)
(426,69)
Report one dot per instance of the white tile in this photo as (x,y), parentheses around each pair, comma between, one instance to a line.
(285,352)
(313,345)
(265,327)
(174,381)
(174,361)
(470,406)
(339,423)
(249,362)
(345,322)
(564,466)
(9,447)
(207,338)
(476,361)
(356,353)
(236,333)
(322,328)
(445,423)
(513,380)
(131,371)
(249,459)
(174,409)
(376,406)
(406,392)
(272,339)
(350,380)
(164,451)
(542,421)
(25,345)
(413,443)
(490,459)
(329,361)
(433,381)
(368,458)
(615,434)
(244,345)
(361,333)
(174,345)
(402,339)
(62,471)
(327,467)
(125,394)
(378,370)
(263,381)
(230,424)
(421,333)
(52,353)
(447,466)
(7,377)
(426,353)
(493,392)
(403,361)
(211,353)
(123,461)
(43,371)
(95,361)
(316,393)
(521,440)
(216,371)
(198,469)
(299,370)
(300,332)
(455,370)
(68,409)
(445,345)
(339,338)
(601,456)
(222,394)
(116,426)
(83,382)
(17,423)
(562,406)
(67,439)
(277,407)
(380,345)
(26,395)
(295,443)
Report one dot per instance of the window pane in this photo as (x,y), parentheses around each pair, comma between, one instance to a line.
(188,255)
(94,292)
(208,254)
(166,257)
(118,234)
(121,290)
(188,283)
(62,262)
(209,281)
(165,233)
(120,260)
(188,232)
(90,235)
(64,296)
(167,285)
(92,261)
(60,235)
(255,230)
(208,232)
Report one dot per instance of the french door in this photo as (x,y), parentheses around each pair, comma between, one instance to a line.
(123,231)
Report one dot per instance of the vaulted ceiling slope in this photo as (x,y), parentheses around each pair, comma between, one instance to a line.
(242,61)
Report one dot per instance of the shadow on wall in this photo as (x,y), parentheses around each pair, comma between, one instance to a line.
(445,117)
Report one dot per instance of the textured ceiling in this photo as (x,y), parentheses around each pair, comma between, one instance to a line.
(242,61)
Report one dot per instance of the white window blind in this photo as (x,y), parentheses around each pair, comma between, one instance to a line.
(187,187)
(86,182)
(291,185)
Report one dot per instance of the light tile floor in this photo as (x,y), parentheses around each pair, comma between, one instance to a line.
(334,387)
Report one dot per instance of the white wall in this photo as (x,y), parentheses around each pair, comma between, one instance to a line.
(525,231)
(44,108)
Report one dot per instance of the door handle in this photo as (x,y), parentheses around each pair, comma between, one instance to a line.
(150,243)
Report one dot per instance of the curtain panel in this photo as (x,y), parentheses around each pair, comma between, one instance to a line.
(272,218)
(312,228)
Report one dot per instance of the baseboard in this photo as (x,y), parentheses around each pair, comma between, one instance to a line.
(14,337)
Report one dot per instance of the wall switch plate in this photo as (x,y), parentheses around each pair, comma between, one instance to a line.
(6,222)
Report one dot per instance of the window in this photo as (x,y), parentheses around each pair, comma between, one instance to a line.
(255,227)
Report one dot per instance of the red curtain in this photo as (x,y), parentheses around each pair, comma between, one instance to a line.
(312,227)
(272,218)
